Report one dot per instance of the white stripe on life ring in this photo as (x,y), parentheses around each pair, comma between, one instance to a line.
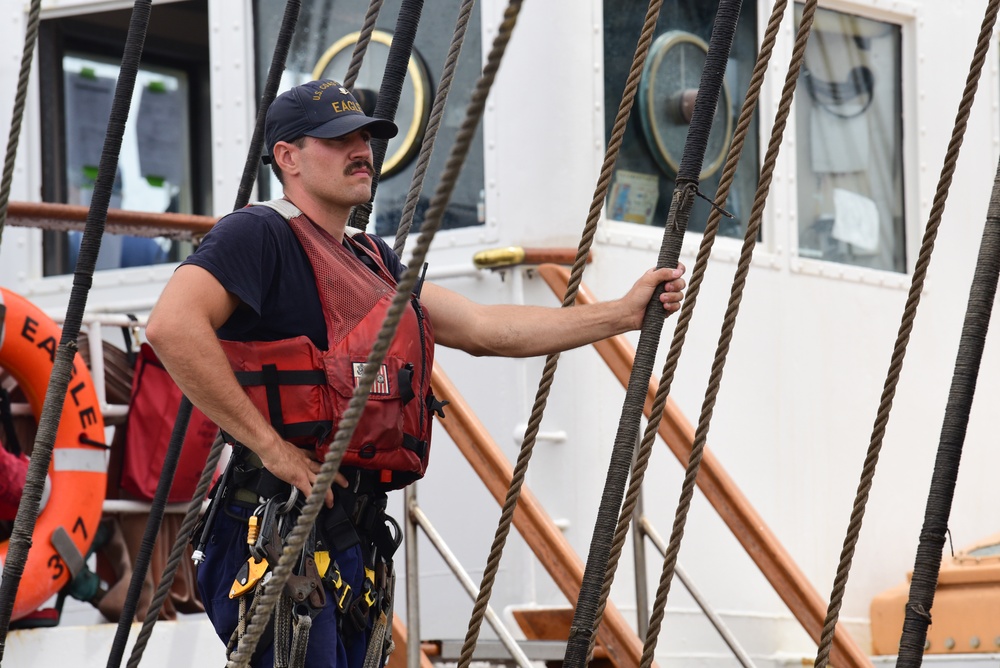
(86,461)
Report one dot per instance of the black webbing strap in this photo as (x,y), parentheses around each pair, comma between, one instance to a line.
(248,474)
(312,377)
(270,378)
(405,383)
(415,445)
(270,383)
(337,524)
(314,429)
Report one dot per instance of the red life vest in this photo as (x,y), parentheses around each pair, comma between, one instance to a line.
(304,391)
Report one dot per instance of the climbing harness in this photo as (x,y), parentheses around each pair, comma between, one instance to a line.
(357,518)
(77,477)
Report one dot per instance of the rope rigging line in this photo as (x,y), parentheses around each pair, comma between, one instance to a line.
(551,361)
(433,125)
(905,327)
(743,126)
(145,555)
(729,323)
(709,88)
(251,169)
(176,553)
(349,421)
(400,52)
(20,99)
(83,277)
(956,419)
(361,46)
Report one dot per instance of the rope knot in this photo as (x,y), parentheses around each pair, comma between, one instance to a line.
(688,190)
(919,610)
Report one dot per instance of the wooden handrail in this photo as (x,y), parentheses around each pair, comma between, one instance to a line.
(64,217)
(787,580)
(624,649)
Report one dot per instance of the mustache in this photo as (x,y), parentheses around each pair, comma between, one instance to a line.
(360,164)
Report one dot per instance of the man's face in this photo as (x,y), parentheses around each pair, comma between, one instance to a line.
(338,170)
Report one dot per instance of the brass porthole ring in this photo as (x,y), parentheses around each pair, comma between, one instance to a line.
(660,92)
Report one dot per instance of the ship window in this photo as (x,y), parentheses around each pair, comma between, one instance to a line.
(153,165)
(80,58)
(643,180)
(850,130)
(322,48)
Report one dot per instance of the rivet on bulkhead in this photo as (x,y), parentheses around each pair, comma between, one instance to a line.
(974,642)
(927,644)
(949,643)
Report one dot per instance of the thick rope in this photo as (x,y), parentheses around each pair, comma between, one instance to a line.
(300,641)
(156,510)
(251,169)
(397,62)
(246,612)
(83,277)
(435,212)
(20,99)
(956,420)
(361,46)
(373,657)
(905,327)
(709,89)
(177,553)
(743,128)
(729,324)
(433,125)
(282,631)
(552,361)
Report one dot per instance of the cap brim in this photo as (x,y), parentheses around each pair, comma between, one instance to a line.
(379,128)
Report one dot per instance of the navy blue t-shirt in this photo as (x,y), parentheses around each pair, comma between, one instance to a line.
(255,255)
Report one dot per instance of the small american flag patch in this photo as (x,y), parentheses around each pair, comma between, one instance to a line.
(381,384)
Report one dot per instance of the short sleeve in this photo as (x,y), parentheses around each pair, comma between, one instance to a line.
(240,252)
(254,254)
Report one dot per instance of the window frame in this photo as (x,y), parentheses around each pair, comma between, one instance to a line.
(631,235)
(64,32)
(906,16)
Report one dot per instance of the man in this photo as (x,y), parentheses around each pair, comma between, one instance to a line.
(287,282)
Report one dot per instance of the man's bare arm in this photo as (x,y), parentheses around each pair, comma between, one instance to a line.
(525,331)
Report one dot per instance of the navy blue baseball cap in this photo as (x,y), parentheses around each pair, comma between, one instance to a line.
(323,109)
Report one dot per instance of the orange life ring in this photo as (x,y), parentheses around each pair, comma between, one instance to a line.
(78,471)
